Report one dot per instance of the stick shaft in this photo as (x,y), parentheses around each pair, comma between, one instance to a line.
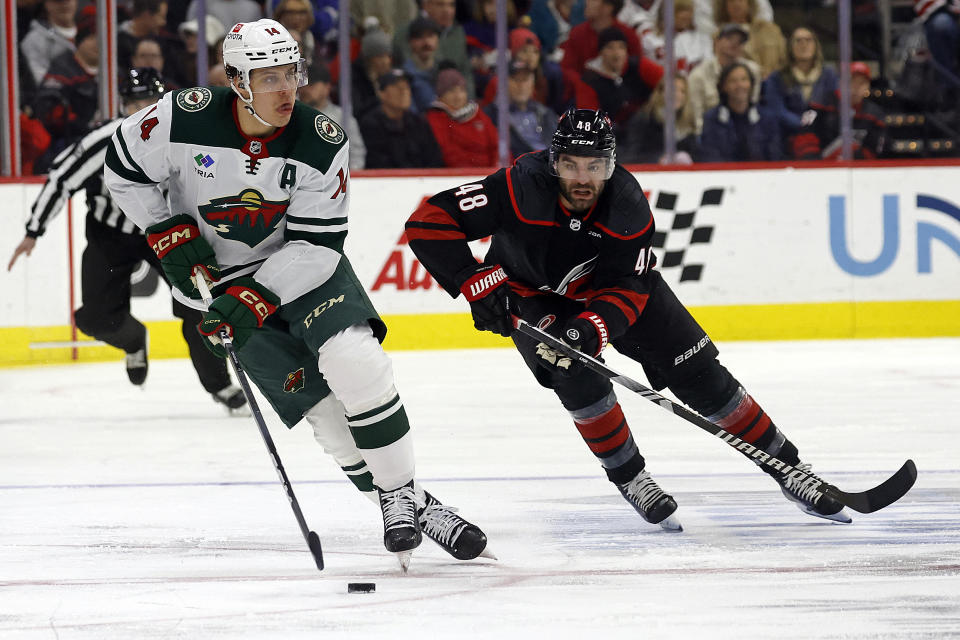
(312,539)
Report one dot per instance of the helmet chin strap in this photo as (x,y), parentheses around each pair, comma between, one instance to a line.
(248,105)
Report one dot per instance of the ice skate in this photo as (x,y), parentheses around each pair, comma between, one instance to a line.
(401,528)
(136,362)
(653,505)
(458,537)
(232,398)
(804,496)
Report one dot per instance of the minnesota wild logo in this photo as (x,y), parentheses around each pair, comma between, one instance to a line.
(294,381)
(246,217)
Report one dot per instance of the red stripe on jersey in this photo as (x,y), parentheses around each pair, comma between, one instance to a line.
(433,214)
(623,237)
(615,297)
(416,233)
(516,209)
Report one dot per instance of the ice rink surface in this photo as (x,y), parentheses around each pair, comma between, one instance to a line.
(129,513)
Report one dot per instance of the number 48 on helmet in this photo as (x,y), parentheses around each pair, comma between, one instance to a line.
(587,133)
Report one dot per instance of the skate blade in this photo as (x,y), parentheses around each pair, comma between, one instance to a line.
(671,523)
(840,517)
(403,557)
(239,412)
(486,553)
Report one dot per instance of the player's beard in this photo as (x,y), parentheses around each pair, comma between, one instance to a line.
(579,202)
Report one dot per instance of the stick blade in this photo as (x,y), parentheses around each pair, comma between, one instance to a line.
(313,541)
(884,494)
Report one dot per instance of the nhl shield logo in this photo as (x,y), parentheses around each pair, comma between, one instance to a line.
(328,129)
(194,99)
(256,147)
(294,381)
(574,224)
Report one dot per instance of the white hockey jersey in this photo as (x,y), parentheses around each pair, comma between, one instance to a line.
(273,208)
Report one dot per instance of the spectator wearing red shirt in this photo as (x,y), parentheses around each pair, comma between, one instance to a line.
(582,45)
(466,135)
(623,84)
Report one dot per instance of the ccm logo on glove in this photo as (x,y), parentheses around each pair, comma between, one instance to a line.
(257,305)
(481,284)
(165,241)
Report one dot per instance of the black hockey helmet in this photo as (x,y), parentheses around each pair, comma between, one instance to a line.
(142,83)
(584,132)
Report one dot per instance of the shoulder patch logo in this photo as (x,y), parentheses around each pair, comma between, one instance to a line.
(194,99)
(295,381)
(328,129)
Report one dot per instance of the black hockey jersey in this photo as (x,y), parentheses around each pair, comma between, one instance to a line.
(600,257)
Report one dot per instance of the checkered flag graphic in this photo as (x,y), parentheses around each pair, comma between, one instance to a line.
(677,231)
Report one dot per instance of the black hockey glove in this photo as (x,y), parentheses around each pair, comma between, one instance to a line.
(181,249)
(587,333)
(485,288)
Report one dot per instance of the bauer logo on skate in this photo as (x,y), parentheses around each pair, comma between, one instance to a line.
(247,217)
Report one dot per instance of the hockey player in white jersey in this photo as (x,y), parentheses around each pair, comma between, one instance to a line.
(257,198)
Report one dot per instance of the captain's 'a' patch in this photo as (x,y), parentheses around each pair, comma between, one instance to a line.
(678,231)
(328,129)
(194,99)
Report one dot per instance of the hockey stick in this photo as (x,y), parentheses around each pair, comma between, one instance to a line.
(313,540)
(884,494)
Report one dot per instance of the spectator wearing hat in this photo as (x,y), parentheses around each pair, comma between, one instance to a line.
(554,86)
(52,34)
(819,137)
(396,137)
(531,123)
(789,91)
(583,44)
(727,48)
(622,84)
(767,46)
(736,130)
(316,93)
(188,32)
(466,135)
(422,64)
(229,12)
(375,59)
(68,98)
(452,42)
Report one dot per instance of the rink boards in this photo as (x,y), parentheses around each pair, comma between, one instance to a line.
(761,254)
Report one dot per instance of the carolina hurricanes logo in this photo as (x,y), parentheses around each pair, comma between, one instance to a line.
(246,217)
(294,381)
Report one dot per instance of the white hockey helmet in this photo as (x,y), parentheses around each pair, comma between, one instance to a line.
(257,45)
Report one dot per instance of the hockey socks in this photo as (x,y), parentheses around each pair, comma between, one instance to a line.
(604,428)
(747,420)
(382,435)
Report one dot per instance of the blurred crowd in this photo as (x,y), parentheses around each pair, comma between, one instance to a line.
(748,87)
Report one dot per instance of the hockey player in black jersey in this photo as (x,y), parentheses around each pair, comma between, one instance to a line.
(114,248)
(571,253)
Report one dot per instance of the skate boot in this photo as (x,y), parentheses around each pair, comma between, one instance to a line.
(653,505)
(233,399)
(456,536)
(401,528)
(136,362)
(804,496)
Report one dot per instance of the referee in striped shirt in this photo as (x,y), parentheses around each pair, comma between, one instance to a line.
(115,246)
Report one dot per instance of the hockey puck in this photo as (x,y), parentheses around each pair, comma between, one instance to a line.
(361,587)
